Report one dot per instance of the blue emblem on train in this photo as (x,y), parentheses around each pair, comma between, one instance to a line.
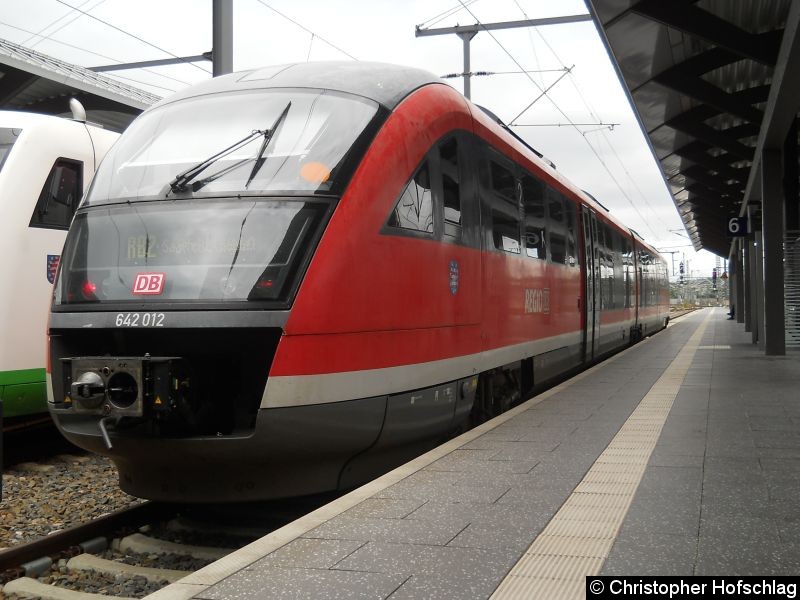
(453,276)
(52,266)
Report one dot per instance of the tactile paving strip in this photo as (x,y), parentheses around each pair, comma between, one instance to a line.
(578,539)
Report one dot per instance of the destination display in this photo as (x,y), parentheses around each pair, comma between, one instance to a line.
(153,252)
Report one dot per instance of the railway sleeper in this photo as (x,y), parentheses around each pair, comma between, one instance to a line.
(89,562)
(27,587)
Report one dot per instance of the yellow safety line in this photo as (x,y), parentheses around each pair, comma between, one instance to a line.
(578,539)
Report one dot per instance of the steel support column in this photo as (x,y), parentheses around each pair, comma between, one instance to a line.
(750,293)
(758,289)
(466,37)
(740,295)
(773,229)
(222,49)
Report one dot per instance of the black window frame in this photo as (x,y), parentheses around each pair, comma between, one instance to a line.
(435,234)
(556,227)
(497,201)
(450,229)
(467,233)
(530,221)
(44,201)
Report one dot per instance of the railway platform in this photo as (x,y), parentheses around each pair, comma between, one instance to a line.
(679,456)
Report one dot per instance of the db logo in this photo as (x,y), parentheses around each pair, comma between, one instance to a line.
(149,283)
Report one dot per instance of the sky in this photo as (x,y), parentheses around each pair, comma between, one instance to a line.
(604,152)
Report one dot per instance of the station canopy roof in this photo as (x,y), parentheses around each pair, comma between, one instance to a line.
(700,75)
(35,82)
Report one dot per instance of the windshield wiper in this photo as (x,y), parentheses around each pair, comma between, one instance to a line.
(182,179)
(260,160)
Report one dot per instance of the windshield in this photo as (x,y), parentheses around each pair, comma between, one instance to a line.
(169,251)
(305,154)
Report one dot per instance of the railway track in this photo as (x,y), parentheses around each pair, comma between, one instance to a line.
(134,552)
(22,564)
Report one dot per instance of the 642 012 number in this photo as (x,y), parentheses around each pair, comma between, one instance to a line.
(146,319)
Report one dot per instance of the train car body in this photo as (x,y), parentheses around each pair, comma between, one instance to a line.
(46,163)
(286,281)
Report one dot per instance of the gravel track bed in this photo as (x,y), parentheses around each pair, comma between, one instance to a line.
(67,490)
(97,583)
(158,561)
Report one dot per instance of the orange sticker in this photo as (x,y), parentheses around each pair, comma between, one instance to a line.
(315,172)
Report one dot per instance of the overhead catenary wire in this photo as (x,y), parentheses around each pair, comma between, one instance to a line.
(603,125)
(486,73)
(544,93)
(310,45)
(530,38)
(61,18)
(443,15)
(569,120)
(593,113)
(304,28)
(136,37)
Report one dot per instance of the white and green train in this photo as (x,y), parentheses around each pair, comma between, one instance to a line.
(46,164)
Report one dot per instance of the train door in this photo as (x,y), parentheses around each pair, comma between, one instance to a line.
(591,329)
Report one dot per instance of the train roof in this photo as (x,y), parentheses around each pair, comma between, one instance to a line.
(19,119)
(385,83)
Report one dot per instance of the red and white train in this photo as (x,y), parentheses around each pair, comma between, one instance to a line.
(288,280)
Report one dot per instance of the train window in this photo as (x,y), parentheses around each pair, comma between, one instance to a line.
(60,196)
(608,268)
(315,147)
(556,226)
(619,271)
(572,236)
(505,231)
(414,209)
(627,259)
(535,218)
(451,189)
(503,181)
(643,278)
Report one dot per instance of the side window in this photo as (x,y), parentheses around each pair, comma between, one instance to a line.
(505,226)
(451,187)
(414,209)
(629,274)
(620,292)
(607,276)
(572,235)
(642,278)
(557,227)
(505,212)
(503,182)
(535,234)
(601,259)
(60,196)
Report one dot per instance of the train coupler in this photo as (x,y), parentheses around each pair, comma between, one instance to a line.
(122,386)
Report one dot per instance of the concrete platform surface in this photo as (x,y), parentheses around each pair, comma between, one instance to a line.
(679,456)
